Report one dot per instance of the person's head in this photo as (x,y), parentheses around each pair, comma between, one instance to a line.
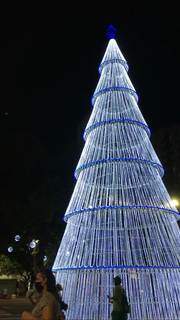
(117,280)
(45,280)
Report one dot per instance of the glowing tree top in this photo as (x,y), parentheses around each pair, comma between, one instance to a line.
(120,219)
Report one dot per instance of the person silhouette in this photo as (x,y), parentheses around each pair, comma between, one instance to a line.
(121,307)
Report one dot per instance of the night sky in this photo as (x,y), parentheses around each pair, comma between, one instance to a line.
(48,72)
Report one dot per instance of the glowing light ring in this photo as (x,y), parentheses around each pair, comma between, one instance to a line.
(131,91)
(70,214)
(114,267)
(116,60)
(108,160)
(120,120)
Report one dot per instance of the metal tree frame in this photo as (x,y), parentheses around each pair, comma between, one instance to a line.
(120,219)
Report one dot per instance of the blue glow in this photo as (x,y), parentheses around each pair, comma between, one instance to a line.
(111,32)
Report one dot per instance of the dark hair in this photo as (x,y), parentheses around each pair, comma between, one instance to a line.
(52,287)
(59,287)
(51,281)
(117,280)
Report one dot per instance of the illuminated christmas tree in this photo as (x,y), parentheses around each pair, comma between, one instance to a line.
(120,219)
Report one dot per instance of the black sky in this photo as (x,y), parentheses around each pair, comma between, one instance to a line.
(48,72)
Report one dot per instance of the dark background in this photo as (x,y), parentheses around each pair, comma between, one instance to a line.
(49,61)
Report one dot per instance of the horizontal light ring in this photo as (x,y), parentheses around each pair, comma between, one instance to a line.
(109,160)
(89,210)
(115,60)
(117,120)
(114,267)
(111,89)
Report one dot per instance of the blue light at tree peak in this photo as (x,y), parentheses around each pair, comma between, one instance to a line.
(111,32)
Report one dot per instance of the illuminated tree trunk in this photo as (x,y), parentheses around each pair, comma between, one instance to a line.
(120,219)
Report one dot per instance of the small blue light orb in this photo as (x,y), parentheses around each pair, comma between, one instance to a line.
(32,244)
(17,238)
(10,249)
(45,258)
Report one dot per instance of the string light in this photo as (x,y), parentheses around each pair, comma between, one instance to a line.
(33,244)
(17,238)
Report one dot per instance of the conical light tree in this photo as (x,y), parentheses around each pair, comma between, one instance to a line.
(120,219)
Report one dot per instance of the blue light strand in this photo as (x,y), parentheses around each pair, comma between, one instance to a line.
(75,212)
(115,60)
(108,160)
(114,88)
(114,267)
(117,120)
